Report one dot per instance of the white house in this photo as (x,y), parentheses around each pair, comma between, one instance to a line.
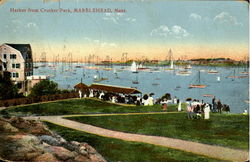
(17,59)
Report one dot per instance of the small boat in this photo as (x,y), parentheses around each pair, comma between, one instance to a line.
(245,73)
(98,78)
(184,72)
(234,76)
(188,67)
(107,69)
(208,95)
(212,72)
(198,84)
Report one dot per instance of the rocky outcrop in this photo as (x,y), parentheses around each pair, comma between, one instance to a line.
(29,140)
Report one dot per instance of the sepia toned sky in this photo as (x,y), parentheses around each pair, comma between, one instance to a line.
(148,29)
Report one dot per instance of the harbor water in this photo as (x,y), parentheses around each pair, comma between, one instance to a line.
(159,80)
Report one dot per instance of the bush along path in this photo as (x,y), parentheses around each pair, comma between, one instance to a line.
(216,152)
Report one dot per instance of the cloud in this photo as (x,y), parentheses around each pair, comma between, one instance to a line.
(113,17)
(31,25)
(100,43)
(179,32)
(195,16)
(130,19)
(175,31)
(160,31)
(226,18)
(117,18)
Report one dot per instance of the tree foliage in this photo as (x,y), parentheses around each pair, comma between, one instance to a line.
(7,88)
(44,87)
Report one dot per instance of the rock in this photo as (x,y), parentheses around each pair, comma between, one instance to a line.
(96,158)
(29,140)
(20,147)
(48,157)
(81,158)
(7,127)
(30,126)
(49,140)
(61,153)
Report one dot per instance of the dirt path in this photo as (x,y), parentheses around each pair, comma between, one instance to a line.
(216,152)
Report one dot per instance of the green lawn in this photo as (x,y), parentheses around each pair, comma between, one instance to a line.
(114,150)
(225,130)
(80,106)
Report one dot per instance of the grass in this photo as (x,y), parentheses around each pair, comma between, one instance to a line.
(224,130)
(80,106)
(119,150)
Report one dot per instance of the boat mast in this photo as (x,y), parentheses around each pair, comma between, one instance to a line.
(199,77)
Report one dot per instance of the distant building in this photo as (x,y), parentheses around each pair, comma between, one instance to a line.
(17,59)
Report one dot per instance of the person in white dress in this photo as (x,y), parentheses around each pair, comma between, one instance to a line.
(150,101)
(80,94)
(179,106)
(101,95)
(206,111)
(91,94)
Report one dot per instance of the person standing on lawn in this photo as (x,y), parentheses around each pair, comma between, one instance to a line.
(219,106)
(179,106)
(164,104)
(206,111)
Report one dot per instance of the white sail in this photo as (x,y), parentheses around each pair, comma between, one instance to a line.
(134,67)
(218,78)
(172,64)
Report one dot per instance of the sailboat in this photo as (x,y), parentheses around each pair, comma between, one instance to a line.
(136,81)
(98,78)
(212,71)
(171,60)
(198,84)
(134,67)
(236,76)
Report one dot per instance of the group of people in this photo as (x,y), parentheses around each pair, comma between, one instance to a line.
(146,100)
(217,106)
(195,108)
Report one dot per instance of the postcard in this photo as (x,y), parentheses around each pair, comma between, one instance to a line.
(127,80)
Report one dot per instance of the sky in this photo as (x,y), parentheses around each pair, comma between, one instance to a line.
(147,29)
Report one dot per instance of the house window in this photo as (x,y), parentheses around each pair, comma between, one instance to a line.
(5,56)
(1,68)
(12,56)
(15,75)
(13,66)
(18,66)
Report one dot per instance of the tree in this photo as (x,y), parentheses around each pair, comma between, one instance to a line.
(7,89)
(44,87)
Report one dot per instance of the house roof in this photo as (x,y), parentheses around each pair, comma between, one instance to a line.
(25,49)
(81,86)
(114,89)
